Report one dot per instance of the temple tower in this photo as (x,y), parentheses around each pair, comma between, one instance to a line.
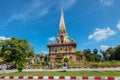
(64,46)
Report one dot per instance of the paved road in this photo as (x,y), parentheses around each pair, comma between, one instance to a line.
(73,69)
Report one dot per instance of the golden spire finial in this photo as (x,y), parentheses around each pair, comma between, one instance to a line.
(62,23)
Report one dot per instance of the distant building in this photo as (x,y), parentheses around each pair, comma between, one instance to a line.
(64,46)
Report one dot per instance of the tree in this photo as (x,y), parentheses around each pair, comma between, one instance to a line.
(105,55)
(111,53)
(16,50)
(46,58)
(116,53)
(0,46)
(95,51)
(92,58)
(87,53)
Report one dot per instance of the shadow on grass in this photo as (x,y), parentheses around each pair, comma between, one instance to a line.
(61,71)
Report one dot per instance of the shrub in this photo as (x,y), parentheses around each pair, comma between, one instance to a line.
(65,59)
(20,66)
(34,66)
(113,61)
(95,65)
(44,63)
(102,65)
(20,69)
(59,62)
(108,65)
(114,65)
(58,65)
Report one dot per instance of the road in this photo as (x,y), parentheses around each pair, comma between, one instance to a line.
(72,69)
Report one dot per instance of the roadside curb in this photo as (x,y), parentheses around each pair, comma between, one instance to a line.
(59,78)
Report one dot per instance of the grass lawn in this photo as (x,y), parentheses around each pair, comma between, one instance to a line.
(68,73)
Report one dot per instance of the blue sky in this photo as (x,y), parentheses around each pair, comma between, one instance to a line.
(91,23)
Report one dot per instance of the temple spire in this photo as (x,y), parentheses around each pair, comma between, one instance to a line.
(62,23)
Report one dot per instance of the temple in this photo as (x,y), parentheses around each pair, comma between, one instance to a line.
(64,47)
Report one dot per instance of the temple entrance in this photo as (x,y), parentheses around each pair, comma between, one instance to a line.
(59,57)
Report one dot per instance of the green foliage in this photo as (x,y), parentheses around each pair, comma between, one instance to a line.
(77,52)
(46,58)
(20,69)
(15,50)
(105,55)
(59,61)
(20,66)
(116,52)
(68,73)
(66,59)
(44,63)
(35,66)
(58,65)
(95,51)
(92,58)
(87,53)
(112,53)
(0,50)
(95,65)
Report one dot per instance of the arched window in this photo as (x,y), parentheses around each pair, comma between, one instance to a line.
(61,48)
(66,49)
(55,49)
(62,38)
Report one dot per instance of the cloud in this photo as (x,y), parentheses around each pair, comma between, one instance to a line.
(35,9)
(31,11)
(68,3)
(4,38)
(107,2)
(118,25)
(101,34)
(104,47)
(53,38)
(45,52)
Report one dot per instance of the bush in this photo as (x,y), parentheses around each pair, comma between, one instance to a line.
(20,69)
(58,65)
(59,62)
(34,66)
(20,66)
(65,59)
(44,63)
(108,65)
(94,65)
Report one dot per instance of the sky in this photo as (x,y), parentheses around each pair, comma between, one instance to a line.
(91,23)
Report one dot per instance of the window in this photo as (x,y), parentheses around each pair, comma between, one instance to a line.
(66,48)
(62,38)
(55,50)
(60,48)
